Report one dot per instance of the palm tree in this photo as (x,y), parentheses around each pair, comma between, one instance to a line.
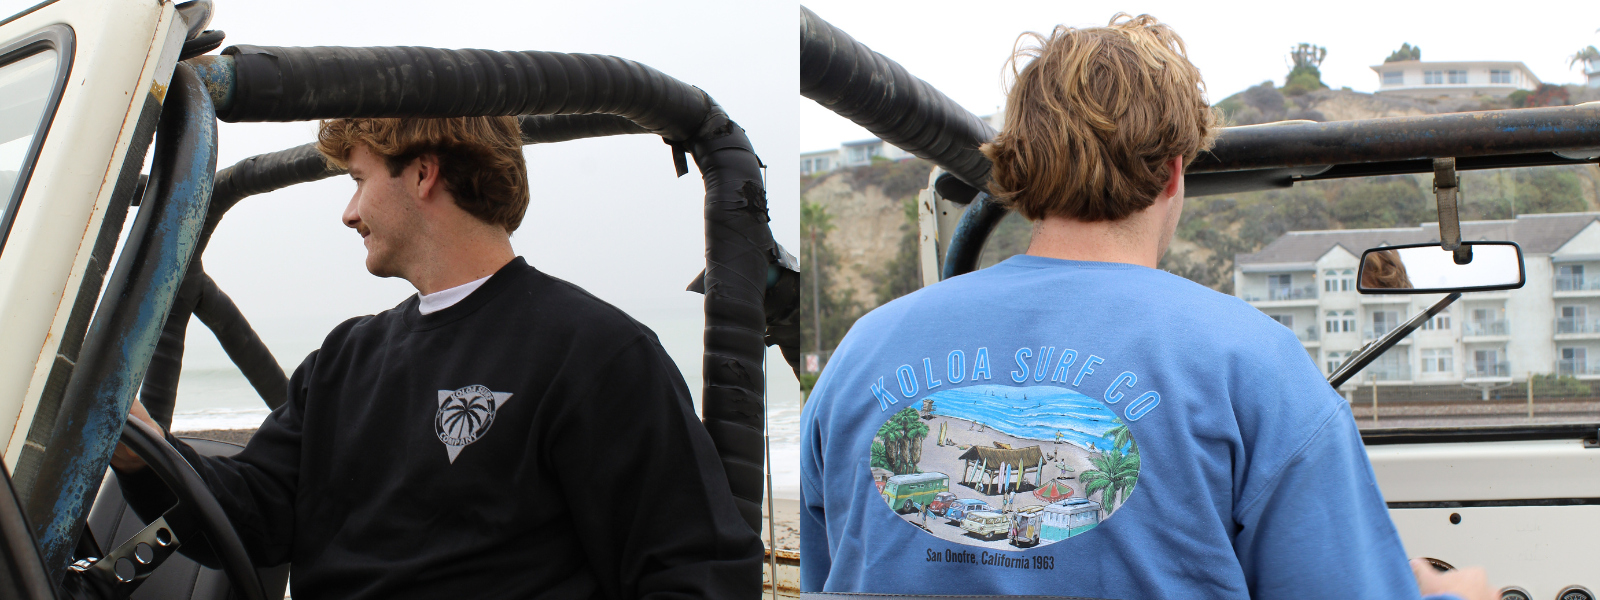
(1114,477)
(891,445)
(902,440)
(1588,56)
(463,418)
(1585,55)
(1120,436)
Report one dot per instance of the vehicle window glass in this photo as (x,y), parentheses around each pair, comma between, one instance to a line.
(24,90)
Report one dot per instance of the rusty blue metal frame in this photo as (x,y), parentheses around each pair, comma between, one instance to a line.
(123,336)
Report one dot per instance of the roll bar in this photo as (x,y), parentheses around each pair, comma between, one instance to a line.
(881,96)
(568,96)
(878,94)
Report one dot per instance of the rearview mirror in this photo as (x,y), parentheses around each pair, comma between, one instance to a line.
(1430,269)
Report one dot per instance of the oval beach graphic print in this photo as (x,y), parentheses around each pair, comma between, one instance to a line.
(1005,467)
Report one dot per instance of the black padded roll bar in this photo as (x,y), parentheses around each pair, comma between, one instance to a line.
(297,84)
(254,83)
(878,94)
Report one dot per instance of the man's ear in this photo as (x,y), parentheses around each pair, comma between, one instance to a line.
(429,181)
(1174,185)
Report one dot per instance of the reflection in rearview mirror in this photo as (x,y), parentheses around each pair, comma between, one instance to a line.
(1428,268)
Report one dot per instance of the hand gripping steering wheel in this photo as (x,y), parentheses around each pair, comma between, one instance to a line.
(118,573)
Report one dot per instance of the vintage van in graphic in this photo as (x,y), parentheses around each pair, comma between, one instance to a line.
(1025,525)
(1068,518)
(906,493)
(986,524)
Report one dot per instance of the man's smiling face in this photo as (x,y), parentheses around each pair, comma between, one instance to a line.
(384,211)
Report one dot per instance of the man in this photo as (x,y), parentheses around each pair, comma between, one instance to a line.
(503,434)
(1192,448)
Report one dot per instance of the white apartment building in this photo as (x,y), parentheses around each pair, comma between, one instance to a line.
(1591,71)
(1418,79)
(861,152)
(1307,281)
(819,161)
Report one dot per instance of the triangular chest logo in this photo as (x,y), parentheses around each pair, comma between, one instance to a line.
(465,415)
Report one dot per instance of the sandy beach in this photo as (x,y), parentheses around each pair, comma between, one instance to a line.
(1063,460)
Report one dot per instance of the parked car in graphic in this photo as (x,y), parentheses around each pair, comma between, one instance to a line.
(959,508)
(1025,526)
(906,493)
(1068,518)
(941,503)
(986,524)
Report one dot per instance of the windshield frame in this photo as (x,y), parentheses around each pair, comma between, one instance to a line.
(60,39)
(26,11)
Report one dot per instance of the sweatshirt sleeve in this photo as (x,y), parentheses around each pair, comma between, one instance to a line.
(816,550)
(645,486)
(256,487)
(816,559)
(1320,528)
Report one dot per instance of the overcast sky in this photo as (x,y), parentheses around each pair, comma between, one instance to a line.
(961,47)
(607,214)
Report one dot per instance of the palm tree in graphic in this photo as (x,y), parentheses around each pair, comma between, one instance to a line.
(1114,476)
(1120,437)
(462,418)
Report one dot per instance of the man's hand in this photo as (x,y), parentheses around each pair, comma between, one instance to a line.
(124,459)
(1469,584)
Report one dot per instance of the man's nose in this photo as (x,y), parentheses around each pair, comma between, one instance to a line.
(351,217)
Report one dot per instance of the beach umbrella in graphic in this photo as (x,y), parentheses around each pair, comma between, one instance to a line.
(1054,491)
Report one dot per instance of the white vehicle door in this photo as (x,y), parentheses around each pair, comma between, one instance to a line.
(81,86)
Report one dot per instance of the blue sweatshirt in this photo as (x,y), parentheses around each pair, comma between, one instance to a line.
(1086,429)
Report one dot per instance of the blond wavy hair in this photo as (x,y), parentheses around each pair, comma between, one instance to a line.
(1093,118)
(480,158)
(1383,270)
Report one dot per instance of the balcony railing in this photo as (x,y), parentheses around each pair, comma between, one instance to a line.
(1372,333)
(1576,283)
(1500,369)
(1574,366)
(1309,334)
(1484,328)
(1577,325)
(1281,293)
(1300,293)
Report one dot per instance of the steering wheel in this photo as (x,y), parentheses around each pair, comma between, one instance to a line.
(123,569)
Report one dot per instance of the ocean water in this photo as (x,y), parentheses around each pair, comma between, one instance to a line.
(212,394)
(1035,413)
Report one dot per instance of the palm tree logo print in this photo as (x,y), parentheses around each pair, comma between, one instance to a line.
(465,415)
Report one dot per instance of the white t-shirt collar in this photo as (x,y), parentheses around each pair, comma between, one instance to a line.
(442,299)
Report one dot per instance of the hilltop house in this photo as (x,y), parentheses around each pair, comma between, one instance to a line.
(1418,79)
(1306,280)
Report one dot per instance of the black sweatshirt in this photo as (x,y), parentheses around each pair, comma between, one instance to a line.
(530,441)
